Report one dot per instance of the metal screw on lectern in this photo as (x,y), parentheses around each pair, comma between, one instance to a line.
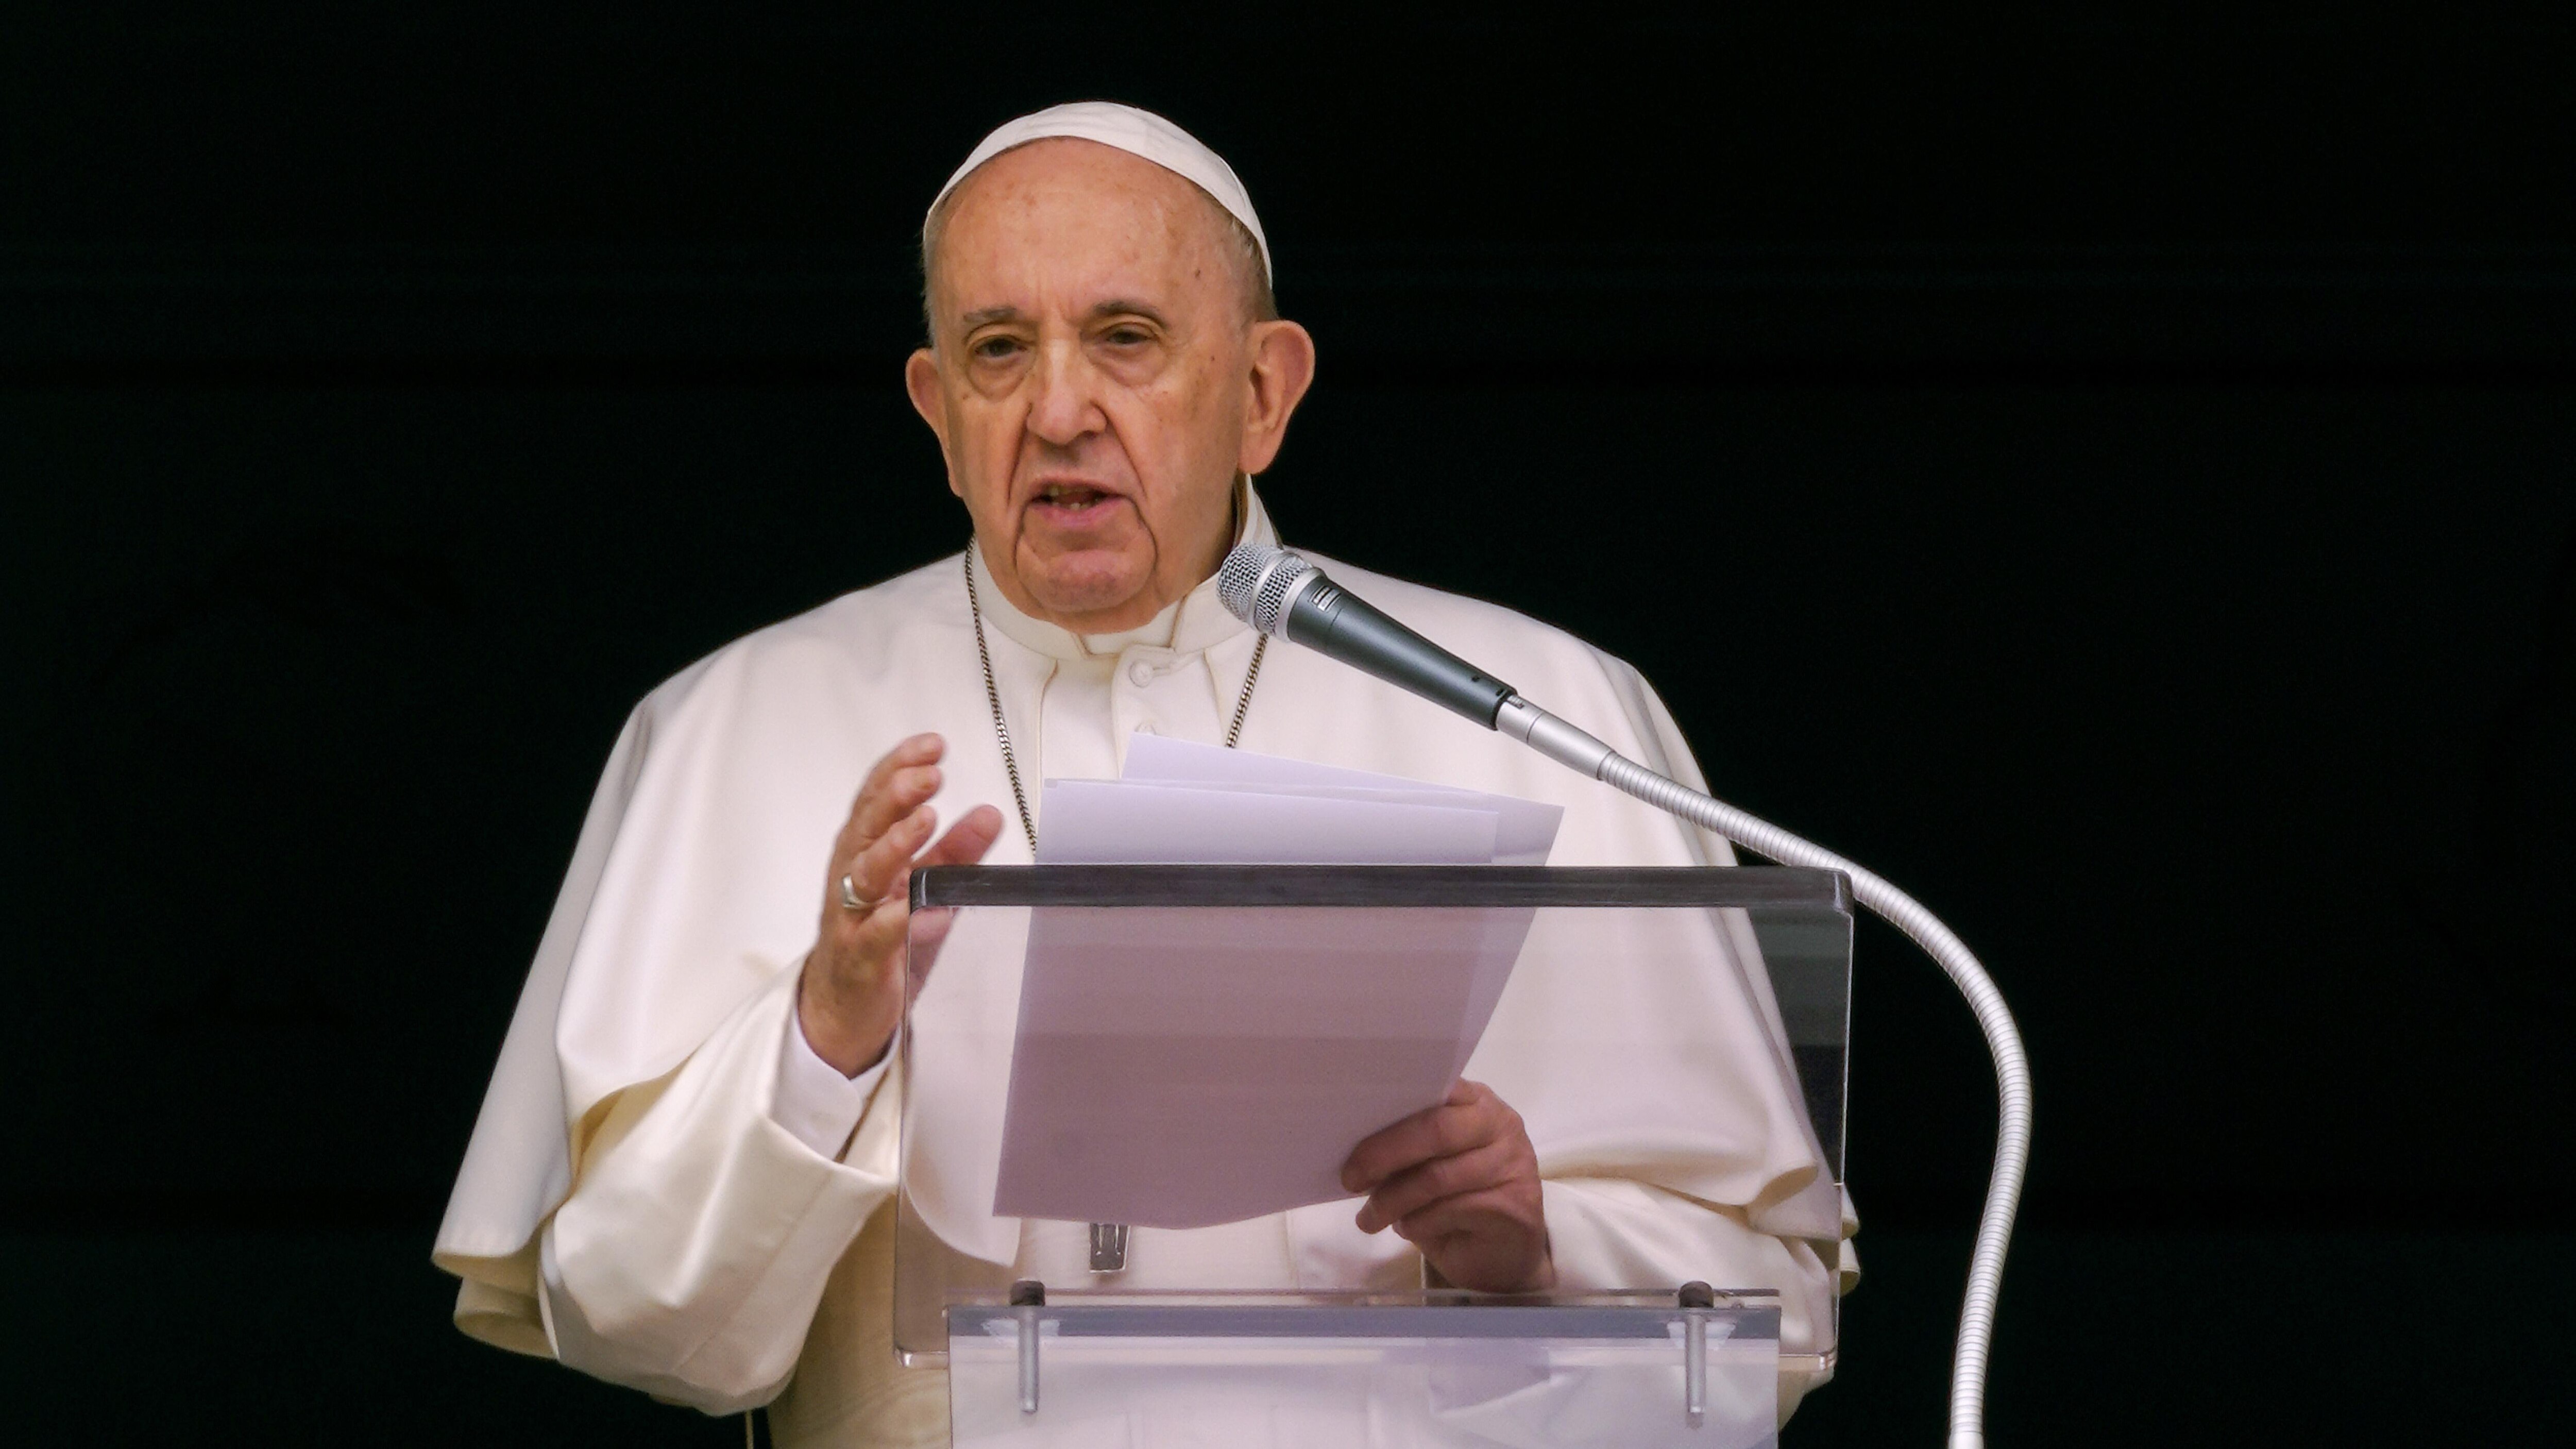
(1695,1295)
(1028,1296)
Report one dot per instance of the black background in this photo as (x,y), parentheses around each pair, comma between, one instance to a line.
(2116,475)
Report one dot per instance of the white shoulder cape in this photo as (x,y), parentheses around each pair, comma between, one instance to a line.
(701,866)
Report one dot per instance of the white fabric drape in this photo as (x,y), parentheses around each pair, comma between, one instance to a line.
(628,1202)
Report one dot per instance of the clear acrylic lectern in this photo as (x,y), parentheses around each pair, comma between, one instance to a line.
(1127,1091)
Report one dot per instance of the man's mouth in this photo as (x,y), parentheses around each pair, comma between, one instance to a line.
(1073,497)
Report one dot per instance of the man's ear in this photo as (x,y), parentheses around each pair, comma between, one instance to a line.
(921,384)
(1283,367)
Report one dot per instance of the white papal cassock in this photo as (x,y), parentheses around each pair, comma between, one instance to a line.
(658,1193)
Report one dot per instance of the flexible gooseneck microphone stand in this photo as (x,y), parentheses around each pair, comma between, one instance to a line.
(1281,594)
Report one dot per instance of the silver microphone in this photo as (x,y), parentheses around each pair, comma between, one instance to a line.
(1283,595)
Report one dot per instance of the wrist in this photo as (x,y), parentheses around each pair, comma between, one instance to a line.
(848,1046)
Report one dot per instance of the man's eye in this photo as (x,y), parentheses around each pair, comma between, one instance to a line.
(1127,337)
(996,349)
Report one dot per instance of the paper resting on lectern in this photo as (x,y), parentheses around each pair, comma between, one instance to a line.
(1184,1068)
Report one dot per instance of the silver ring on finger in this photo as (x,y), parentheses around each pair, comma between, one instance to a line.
(852,901)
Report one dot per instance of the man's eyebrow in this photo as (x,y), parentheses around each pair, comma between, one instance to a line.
(1124,307)
(1114,307)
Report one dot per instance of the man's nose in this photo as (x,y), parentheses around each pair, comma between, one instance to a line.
(1066,406)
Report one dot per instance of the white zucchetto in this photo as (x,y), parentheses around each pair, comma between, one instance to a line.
(1138,133)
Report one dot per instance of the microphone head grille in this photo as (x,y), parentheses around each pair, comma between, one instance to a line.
(1272,596)
(1254,581)
(1239,575)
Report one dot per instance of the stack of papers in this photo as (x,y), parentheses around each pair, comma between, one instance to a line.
(1183,1068)
(1188,804)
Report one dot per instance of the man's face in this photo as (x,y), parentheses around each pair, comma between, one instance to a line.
(1095,380)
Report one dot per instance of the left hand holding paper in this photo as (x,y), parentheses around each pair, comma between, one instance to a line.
(1460,1182)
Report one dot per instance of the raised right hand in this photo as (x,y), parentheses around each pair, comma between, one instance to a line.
(850,997)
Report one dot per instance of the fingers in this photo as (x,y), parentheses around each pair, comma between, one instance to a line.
(902,792)
(967,840)
(880,933)
(880,870)
(1493,1241)
(874,807)
(883,872)
(1471,1117)
(851,992)
(1467,1214)
(884,868)
(1493,1164)
(929,930)
(965,843)
(921,749)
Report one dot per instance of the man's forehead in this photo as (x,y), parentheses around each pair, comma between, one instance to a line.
(1084,176)
(1071,212)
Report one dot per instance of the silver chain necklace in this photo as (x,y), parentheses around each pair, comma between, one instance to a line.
(1002,728)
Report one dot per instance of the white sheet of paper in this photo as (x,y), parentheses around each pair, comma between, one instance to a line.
(1106,822)
(1525,830)
(1182,1068)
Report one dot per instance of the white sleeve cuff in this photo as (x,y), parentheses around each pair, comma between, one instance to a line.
(814,1102)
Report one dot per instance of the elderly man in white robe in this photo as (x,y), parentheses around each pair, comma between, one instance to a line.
(682,1176)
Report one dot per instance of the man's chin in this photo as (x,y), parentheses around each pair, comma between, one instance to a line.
(1093,597)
